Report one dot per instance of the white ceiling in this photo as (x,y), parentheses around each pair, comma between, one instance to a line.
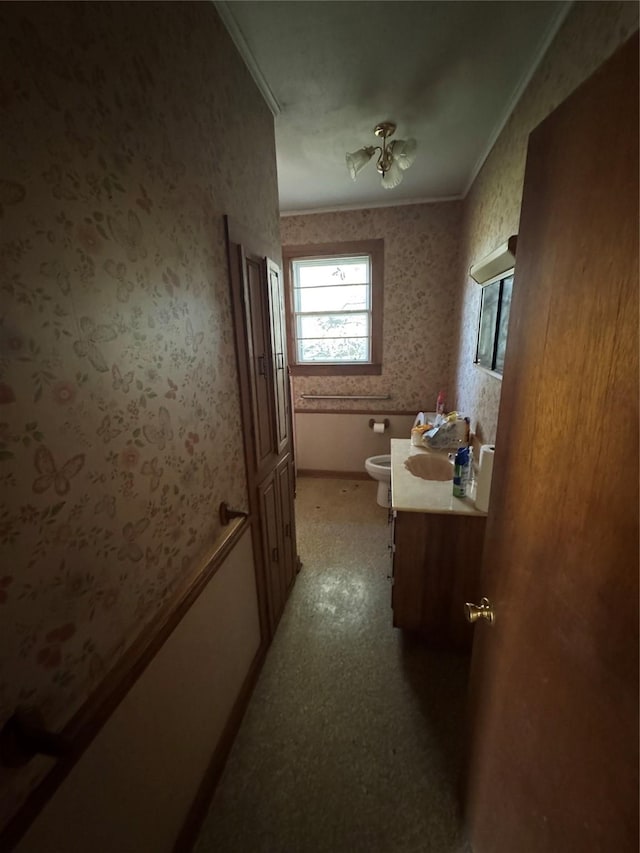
(448,74)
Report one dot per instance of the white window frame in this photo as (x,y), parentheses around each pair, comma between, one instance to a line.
(323,254)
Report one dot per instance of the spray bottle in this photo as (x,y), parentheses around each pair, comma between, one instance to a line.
(461,472)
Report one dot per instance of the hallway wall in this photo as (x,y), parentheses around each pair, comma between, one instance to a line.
(128,130)
(590,34)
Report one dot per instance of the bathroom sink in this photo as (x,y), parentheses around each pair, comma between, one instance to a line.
(429,466)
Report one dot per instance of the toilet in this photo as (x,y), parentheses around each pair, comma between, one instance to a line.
(379,467)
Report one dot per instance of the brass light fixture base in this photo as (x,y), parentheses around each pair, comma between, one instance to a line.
(385,129)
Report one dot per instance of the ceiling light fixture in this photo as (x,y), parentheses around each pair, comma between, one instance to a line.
(394,158)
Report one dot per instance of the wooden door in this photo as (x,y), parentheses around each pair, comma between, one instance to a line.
(434,568)
(554,685)
(271,526)
(260,360)
(279,352)
(285,475)
(257,305)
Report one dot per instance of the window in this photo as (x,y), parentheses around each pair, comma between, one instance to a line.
(335,307)
(332,309)
(494,322)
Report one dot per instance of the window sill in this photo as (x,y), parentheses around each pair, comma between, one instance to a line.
(335,369)
(486,370)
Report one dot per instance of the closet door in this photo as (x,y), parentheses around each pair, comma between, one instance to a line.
(260,360)
(279,350)
(285,475)
(260,336)
(272,547)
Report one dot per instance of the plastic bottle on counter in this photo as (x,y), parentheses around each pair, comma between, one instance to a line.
(461,472)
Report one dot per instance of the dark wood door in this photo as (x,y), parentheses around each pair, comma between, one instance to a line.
(554,685)
(279,352)
(285,475)
(434,568)
(257,303)
(271,526)
(260,359)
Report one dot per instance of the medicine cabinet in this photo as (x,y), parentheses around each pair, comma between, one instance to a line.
(495,274)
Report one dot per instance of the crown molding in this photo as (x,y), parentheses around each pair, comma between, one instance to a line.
(239,40)
(548,37)
(403,202)
(232,27)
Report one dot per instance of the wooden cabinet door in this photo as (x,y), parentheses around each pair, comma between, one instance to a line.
(278,536)
(279,353)
(271,526)
(553,764)
(435,566)
(260,360)
(285,475)
(259,328)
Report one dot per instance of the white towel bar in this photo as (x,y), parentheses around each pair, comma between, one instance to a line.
(345,397)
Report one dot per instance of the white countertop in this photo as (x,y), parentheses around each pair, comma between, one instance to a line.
(413,494)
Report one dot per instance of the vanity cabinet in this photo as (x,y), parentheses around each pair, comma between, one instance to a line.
(436,565)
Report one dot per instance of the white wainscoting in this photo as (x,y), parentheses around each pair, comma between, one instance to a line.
(133,787)
(341,442)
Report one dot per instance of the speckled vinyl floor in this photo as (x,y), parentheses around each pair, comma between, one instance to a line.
(352,739)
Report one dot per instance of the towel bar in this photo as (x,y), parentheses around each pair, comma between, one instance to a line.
(345,397)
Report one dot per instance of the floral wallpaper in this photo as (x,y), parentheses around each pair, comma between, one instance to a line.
(590,34)
(420,265)
(128,132)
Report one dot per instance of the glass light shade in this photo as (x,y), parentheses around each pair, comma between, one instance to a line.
(404,152)
(357,160)
(392,177)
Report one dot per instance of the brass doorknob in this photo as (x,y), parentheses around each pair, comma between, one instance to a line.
(474,612)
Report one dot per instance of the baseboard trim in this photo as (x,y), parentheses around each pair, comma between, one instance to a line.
(88,721)
(197,813)
(333,475)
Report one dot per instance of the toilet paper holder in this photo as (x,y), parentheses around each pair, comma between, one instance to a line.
(373,422)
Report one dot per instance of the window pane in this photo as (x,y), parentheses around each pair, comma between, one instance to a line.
(326,272)
(333,349)
(345,298)
(333,326)
(505,308)
(333,300)
(488,317)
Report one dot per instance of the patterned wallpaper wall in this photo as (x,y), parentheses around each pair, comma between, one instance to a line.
(420,296)
(590,33)
(127,132)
